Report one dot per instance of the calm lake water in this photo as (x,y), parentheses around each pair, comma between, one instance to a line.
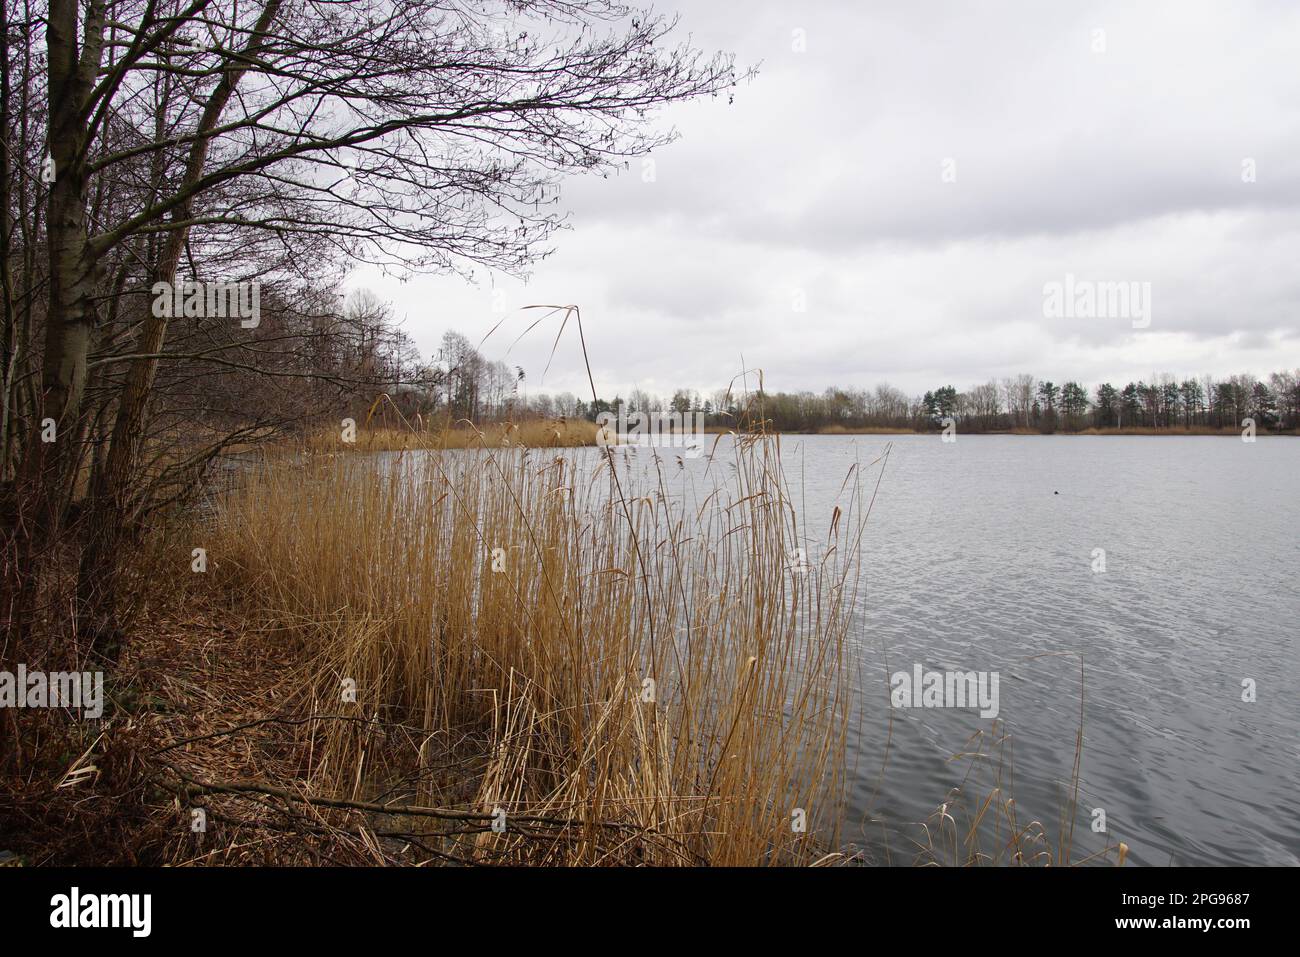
(973,561)
(980,556)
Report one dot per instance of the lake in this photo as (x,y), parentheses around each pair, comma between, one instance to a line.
(981,555)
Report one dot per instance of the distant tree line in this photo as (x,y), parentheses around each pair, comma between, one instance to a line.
(1021,402)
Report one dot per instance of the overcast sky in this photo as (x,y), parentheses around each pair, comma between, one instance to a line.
(913,179)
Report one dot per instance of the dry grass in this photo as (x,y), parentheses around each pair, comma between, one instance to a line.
(863,430)
(628,680)
(531,433)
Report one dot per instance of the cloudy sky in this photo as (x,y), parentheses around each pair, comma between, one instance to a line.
(887,203)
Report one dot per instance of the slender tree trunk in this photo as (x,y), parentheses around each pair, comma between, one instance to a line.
(69,324)
(48,471)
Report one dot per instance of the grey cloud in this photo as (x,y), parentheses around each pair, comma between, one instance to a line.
(824,177)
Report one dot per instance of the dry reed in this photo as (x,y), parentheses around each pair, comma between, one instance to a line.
(616,672)
(529,433)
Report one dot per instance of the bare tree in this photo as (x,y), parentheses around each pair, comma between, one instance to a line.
(280,140)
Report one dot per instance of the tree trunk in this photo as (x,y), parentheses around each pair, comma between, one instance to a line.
(48,471)
(69,325)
